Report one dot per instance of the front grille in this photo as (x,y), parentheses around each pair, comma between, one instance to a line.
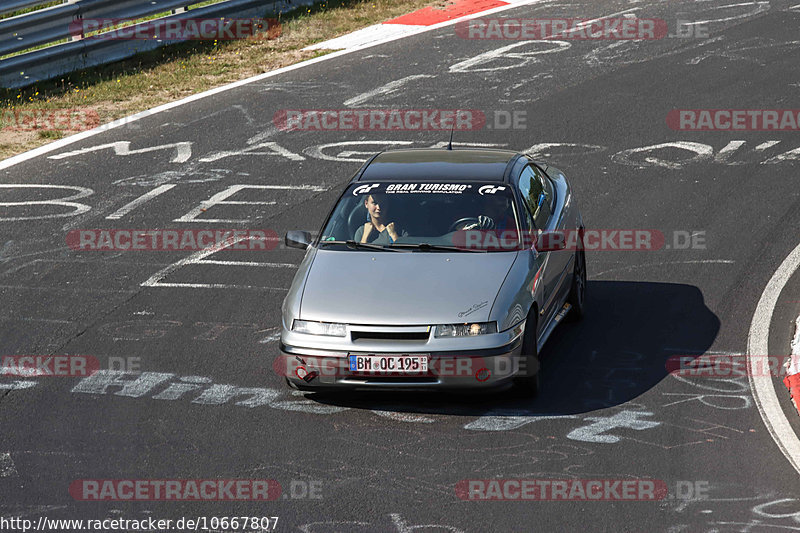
(390,335)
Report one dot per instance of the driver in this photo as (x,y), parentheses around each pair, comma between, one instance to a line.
(496,216)
(378,229)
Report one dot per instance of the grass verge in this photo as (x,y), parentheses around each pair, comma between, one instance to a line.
(120,89)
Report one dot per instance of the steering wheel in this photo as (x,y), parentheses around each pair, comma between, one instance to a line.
(462,221)
(356,219)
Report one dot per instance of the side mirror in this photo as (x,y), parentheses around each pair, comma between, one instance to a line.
(551,241)
(298,239)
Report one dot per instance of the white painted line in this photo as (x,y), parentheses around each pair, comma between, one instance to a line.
(499,420)
(183,150)
(102,260)
(155,279)
(243,202)
(79,209)
(760,7)
(625,13)
(7,466)
(365,36)
(272,147)
(198,258)
(46,149)
(764,394)
(17,385)
(392,87)
(217,286)
(404,417)
(221,198)
(272,337)
(725,154)
(7,318)
(794,361)
(645,265)
(690,351)
(473,64)
(124,210)
(67,289)
(765,145)
(246,263)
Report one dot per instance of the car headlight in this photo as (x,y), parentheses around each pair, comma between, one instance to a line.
(465,330)
(319,328)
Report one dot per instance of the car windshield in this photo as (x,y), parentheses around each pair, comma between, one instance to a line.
(424,216)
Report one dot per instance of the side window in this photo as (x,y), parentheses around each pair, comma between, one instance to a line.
(537,195)
(525,217)
(548,188)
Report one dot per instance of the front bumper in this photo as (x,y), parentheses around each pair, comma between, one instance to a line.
(311,369)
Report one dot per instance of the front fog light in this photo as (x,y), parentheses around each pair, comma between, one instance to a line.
(465,330)
(319,328)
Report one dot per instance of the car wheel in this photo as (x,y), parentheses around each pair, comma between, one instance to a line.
(577,294)
(528,385)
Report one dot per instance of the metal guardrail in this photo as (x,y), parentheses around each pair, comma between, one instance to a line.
(37,28)
(9,6)
(53,24)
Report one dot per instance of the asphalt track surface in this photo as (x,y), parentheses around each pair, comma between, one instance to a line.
(391,462)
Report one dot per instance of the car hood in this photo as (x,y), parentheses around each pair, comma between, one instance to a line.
(398,288)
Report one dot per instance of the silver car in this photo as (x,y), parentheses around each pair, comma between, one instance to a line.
(436,269)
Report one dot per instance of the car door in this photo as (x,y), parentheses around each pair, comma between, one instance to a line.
(538,197)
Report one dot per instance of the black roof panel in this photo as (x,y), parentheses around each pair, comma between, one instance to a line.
(438,165)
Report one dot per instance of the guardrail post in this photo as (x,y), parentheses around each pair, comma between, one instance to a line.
(78,18)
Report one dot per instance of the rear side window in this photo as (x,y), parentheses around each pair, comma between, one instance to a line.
(537,195)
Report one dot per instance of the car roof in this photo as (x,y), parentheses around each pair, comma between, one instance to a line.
(439,165)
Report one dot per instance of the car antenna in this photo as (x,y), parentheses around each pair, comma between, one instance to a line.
(450,144)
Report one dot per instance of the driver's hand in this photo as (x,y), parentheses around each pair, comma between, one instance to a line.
(368,227)
(483,223)
(390,229)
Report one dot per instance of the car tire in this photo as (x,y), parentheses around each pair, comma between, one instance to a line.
(528,386)
(577,294)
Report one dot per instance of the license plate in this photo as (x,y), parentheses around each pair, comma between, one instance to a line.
(389,364)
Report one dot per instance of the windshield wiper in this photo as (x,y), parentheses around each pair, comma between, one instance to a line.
(360,245)
(425,247)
